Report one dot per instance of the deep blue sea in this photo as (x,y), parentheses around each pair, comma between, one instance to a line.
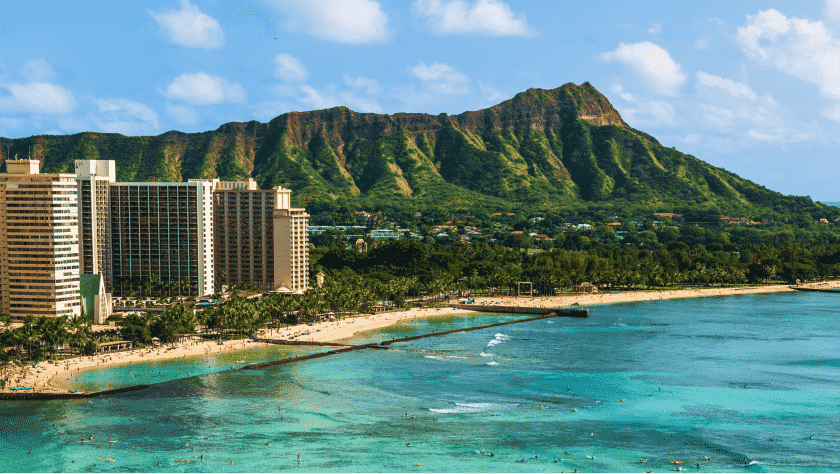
(753,377)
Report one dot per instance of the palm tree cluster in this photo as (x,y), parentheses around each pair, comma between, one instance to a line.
(45,336)
(151,285)
(394,270)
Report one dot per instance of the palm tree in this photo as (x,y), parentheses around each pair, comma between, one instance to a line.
(53,331)
(30,333)
(185,285)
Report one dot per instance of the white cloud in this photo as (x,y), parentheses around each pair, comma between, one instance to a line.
(289,68)
(653,63)
(491,94)
(189,27)
(654,28)
(331,98)
(618,89)
(735,89)
(342,21)
(649,113)
(114,107)
(441,78)
(832,112)
(749,120)
(36,70)
(489,17)
(183,113)
(37,97)
(315,99)
(203,89)
(764,137)
(832,9)
(369,86)
(800,48)
(311,98)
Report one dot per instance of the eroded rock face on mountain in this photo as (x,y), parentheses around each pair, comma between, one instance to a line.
(546,148)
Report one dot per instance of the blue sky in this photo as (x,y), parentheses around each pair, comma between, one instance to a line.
(750,86)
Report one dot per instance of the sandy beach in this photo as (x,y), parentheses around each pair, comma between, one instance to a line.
(53,377)
(590,299)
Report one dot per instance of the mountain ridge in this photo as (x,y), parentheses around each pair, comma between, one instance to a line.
(558,148)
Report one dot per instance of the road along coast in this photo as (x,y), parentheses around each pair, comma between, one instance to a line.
(56,377)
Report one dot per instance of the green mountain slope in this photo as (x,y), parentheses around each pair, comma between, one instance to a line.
(548,149)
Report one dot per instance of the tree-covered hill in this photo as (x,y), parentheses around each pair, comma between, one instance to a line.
(565,148)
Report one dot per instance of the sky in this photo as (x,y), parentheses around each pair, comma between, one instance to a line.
(751,86)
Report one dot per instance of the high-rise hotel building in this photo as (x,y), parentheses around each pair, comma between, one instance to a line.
(190,234)
(54,227)
(291,246)
(94,178)
(163,230)
(39,243)
(260,239)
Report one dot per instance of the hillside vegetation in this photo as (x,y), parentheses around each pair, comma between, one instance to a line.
(560,149)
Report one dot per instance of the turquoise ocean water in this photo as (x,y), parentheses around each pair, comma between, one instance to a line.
(528,393)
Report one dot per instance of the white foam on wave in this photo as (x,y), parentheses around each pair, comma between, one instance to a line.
(484,354)
(432,357)
(498,340)
(492,362)
(464,408)
(455,357)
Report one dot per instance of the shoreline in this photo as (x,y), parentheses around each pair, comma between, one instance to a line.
(56,377)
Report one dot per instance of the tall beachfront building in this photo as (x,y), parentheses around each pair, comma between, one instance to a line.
(163,230)
(291,246)
(39,242)
(93,179)
(260,239)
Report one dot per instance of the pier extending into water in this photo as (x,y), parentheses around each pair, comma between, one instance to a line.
(289,342)
(545,313)
(552,314)
(494,308)
(33,395)
(820,290)
(292,360)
